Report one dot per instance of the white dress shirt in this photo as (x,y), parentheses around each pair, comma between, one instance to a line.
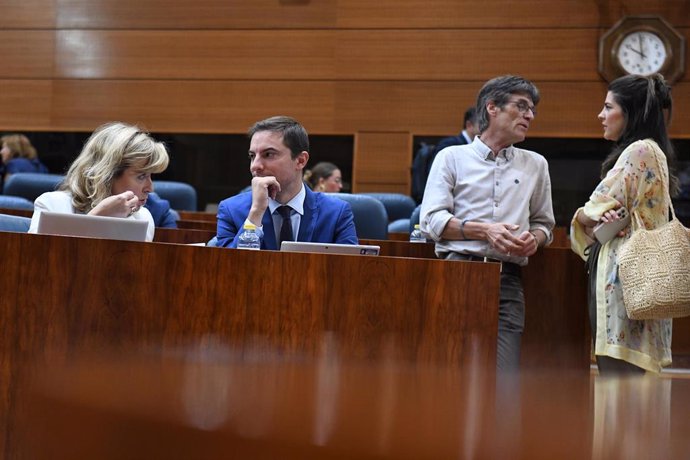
(468,183)
(61,201)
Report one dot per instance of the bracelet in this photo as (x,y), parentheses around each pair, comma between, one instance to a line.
(536,240)
(462,229)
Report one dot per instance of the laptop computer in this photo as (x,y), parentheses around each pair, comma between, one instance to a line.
(113,228)
(330,248)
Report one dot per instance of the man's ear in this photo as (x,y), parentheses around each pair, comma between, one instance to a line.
(302,159)
(492,108)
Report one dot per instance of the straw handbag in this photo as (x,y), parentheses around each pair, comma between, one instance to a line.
(653,267)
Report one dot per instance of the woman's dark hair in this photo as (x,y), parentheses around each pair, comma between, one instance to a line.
(647,108)
(321,170)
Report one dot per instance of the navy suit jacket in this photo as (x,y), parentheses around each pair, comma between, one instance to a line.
(326,220)
(160,211)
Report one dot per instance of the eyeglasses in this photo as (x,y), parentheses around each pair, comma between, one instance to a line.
(523,107)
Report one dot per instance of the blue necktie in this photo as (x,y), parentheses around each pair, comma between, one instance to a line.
(286,226)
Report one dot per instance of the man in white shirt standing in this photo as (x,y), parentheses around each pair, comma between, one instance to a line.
(491,201)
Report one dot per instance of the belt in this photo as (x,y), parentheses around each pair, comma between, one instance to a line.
(508,268)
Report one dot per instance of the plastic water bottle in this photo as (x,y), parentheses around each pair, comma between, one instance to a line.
(416,235)
(249,239)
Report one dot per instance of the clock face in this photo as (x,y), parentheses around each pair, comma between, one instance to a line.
(642,53)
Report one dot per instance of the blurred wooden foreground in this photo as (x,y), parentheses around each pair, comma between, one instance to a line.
(211,401)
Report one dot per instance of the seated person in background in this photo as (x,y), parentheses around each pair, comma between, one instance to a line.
(18,155)
(160,210)
(279,205)
(324,177)
(110,177)
(470,129)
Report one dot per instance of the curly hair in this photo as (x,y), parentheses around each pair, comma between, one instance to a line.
(19,145)
(111,149)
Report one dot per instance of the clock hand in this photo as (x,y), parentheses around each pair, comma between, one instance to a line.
(634,50)
(639,39)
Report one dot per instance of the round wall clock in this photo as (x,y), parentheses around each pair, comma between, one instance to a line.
(642,45)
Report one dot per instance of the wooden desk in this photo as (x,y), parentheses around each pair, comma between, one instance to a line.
(197,215)
(555,282)
(17,212)
(182,235)
(197,225)
(66,295)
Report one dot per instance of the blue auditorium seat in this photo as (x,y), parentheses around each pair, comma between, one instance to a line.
(398,206)
(371,219)
(15,202)
(182,196)
(10,223)
(31,185)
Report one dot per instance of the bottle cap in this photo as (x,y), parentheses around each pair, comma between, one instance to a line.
(249,226)
(416,226)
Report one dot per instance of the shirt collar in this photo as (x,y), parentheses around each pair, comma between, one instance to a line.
(296,203)
(485,152)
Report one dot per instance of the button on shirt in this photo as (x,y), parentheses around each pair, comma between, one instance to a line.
(469,183)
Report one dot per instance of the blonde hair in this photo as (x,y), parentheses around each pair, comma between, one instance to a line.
(19,145)
(111,149)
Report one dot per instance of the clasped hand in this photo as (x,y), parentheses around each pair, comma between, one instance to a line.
(262,188)
(121,205)
(500,236)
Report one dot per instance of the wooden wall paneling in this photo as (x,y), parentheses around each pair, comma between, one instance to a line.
(382,162)
(423,108)
(192,106)
(27,105)
(27,14)
(502,13)
(465,54)
(436,108)
(195,14)
(272,14)
(27,54)
(193,55)
(427,55)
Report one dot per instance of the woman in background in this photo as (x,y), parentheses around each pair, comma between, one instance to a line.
(634,118)
(110,177)
(324,177)
(18,155)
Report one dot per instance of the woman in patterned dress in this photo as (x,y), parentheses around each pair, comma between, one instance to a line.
(635,118)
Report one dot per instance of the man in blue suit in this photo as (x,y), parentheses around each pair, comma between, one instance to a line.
(279,204)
